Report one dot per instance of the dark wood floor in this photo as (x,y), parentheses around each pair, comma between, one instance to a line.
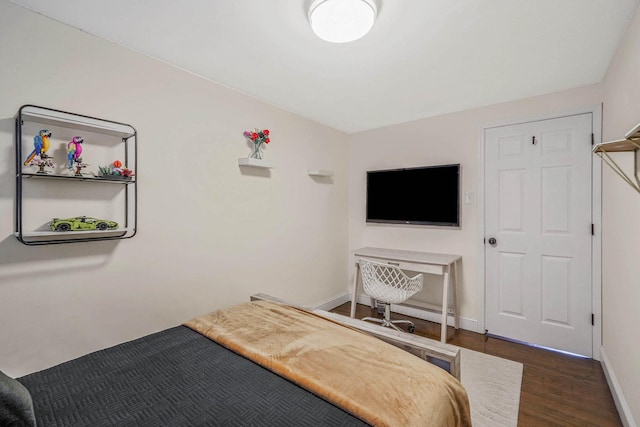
(557,390)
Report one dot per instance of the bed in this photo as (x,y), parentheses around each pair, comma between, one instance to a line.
(258,363)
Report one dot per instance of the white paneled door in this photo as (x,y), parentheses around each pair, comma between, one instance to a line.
(538,232)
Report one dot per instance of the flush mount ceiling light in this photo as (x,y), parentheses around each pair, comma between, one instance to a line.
(341,21)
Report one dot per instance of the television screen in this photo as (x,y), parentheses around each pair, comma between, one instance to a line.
(427,195)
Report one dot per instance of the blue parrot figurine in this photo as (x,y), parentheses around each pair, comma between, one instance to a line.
(41,145)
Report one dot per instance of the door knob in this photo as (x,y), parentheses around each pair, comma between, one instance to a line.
(493,241)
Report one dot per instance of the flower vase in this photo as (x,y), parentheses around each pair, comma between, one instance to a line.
(257,151)
(41,169)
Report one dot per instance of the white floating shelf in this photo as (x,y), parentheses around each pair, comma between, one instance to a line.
(254,163)
(319,172)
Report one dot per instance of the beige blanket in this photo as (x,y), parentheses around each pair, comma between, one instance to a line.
(378,383)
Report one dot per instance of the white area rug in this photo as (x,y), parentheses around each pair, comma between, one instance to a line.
(493,386)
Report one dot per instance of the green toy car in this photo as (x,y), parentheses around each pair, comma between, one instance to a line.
(81,223)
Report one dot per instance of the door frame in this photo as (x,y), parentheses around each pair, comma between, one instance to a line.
(596,215)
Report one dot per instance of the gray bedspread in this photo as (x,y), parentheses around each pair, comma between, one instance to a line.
(175,377)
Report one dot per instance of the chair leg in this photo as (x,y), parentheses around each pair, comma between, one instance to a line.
(402,321)
(411,326)
(387,322)
(373,319)
(391,325)
(387,319)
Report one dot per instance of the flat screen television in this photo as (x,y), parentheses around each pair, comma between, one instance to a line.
(428,195)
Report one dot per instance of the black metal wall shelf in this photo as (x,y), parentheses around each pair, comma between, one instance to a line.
(38,199)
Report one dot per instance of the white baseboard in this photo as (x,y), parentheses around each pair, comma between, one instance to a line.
(420,313)
(332,303)
(618,396)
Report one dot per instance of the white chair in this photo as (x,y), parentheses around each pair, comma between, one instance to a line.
(388,284)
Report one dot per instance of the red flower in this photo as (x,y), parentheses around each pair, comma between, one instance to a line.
(258,137)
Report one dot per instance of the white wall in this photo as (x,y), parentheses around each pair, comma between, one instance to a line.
(621,229)
(283,234)
(451,138)
(210,233)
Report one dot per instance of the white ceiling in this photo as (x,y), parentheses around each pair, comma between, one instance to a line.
(422,58)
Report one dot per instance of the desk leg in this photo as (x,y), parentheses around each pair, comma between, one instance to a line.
(445,305)
(454,285)
(354,293)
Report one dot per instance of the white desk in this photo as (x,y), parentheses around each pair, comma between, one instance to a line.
(444,265)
